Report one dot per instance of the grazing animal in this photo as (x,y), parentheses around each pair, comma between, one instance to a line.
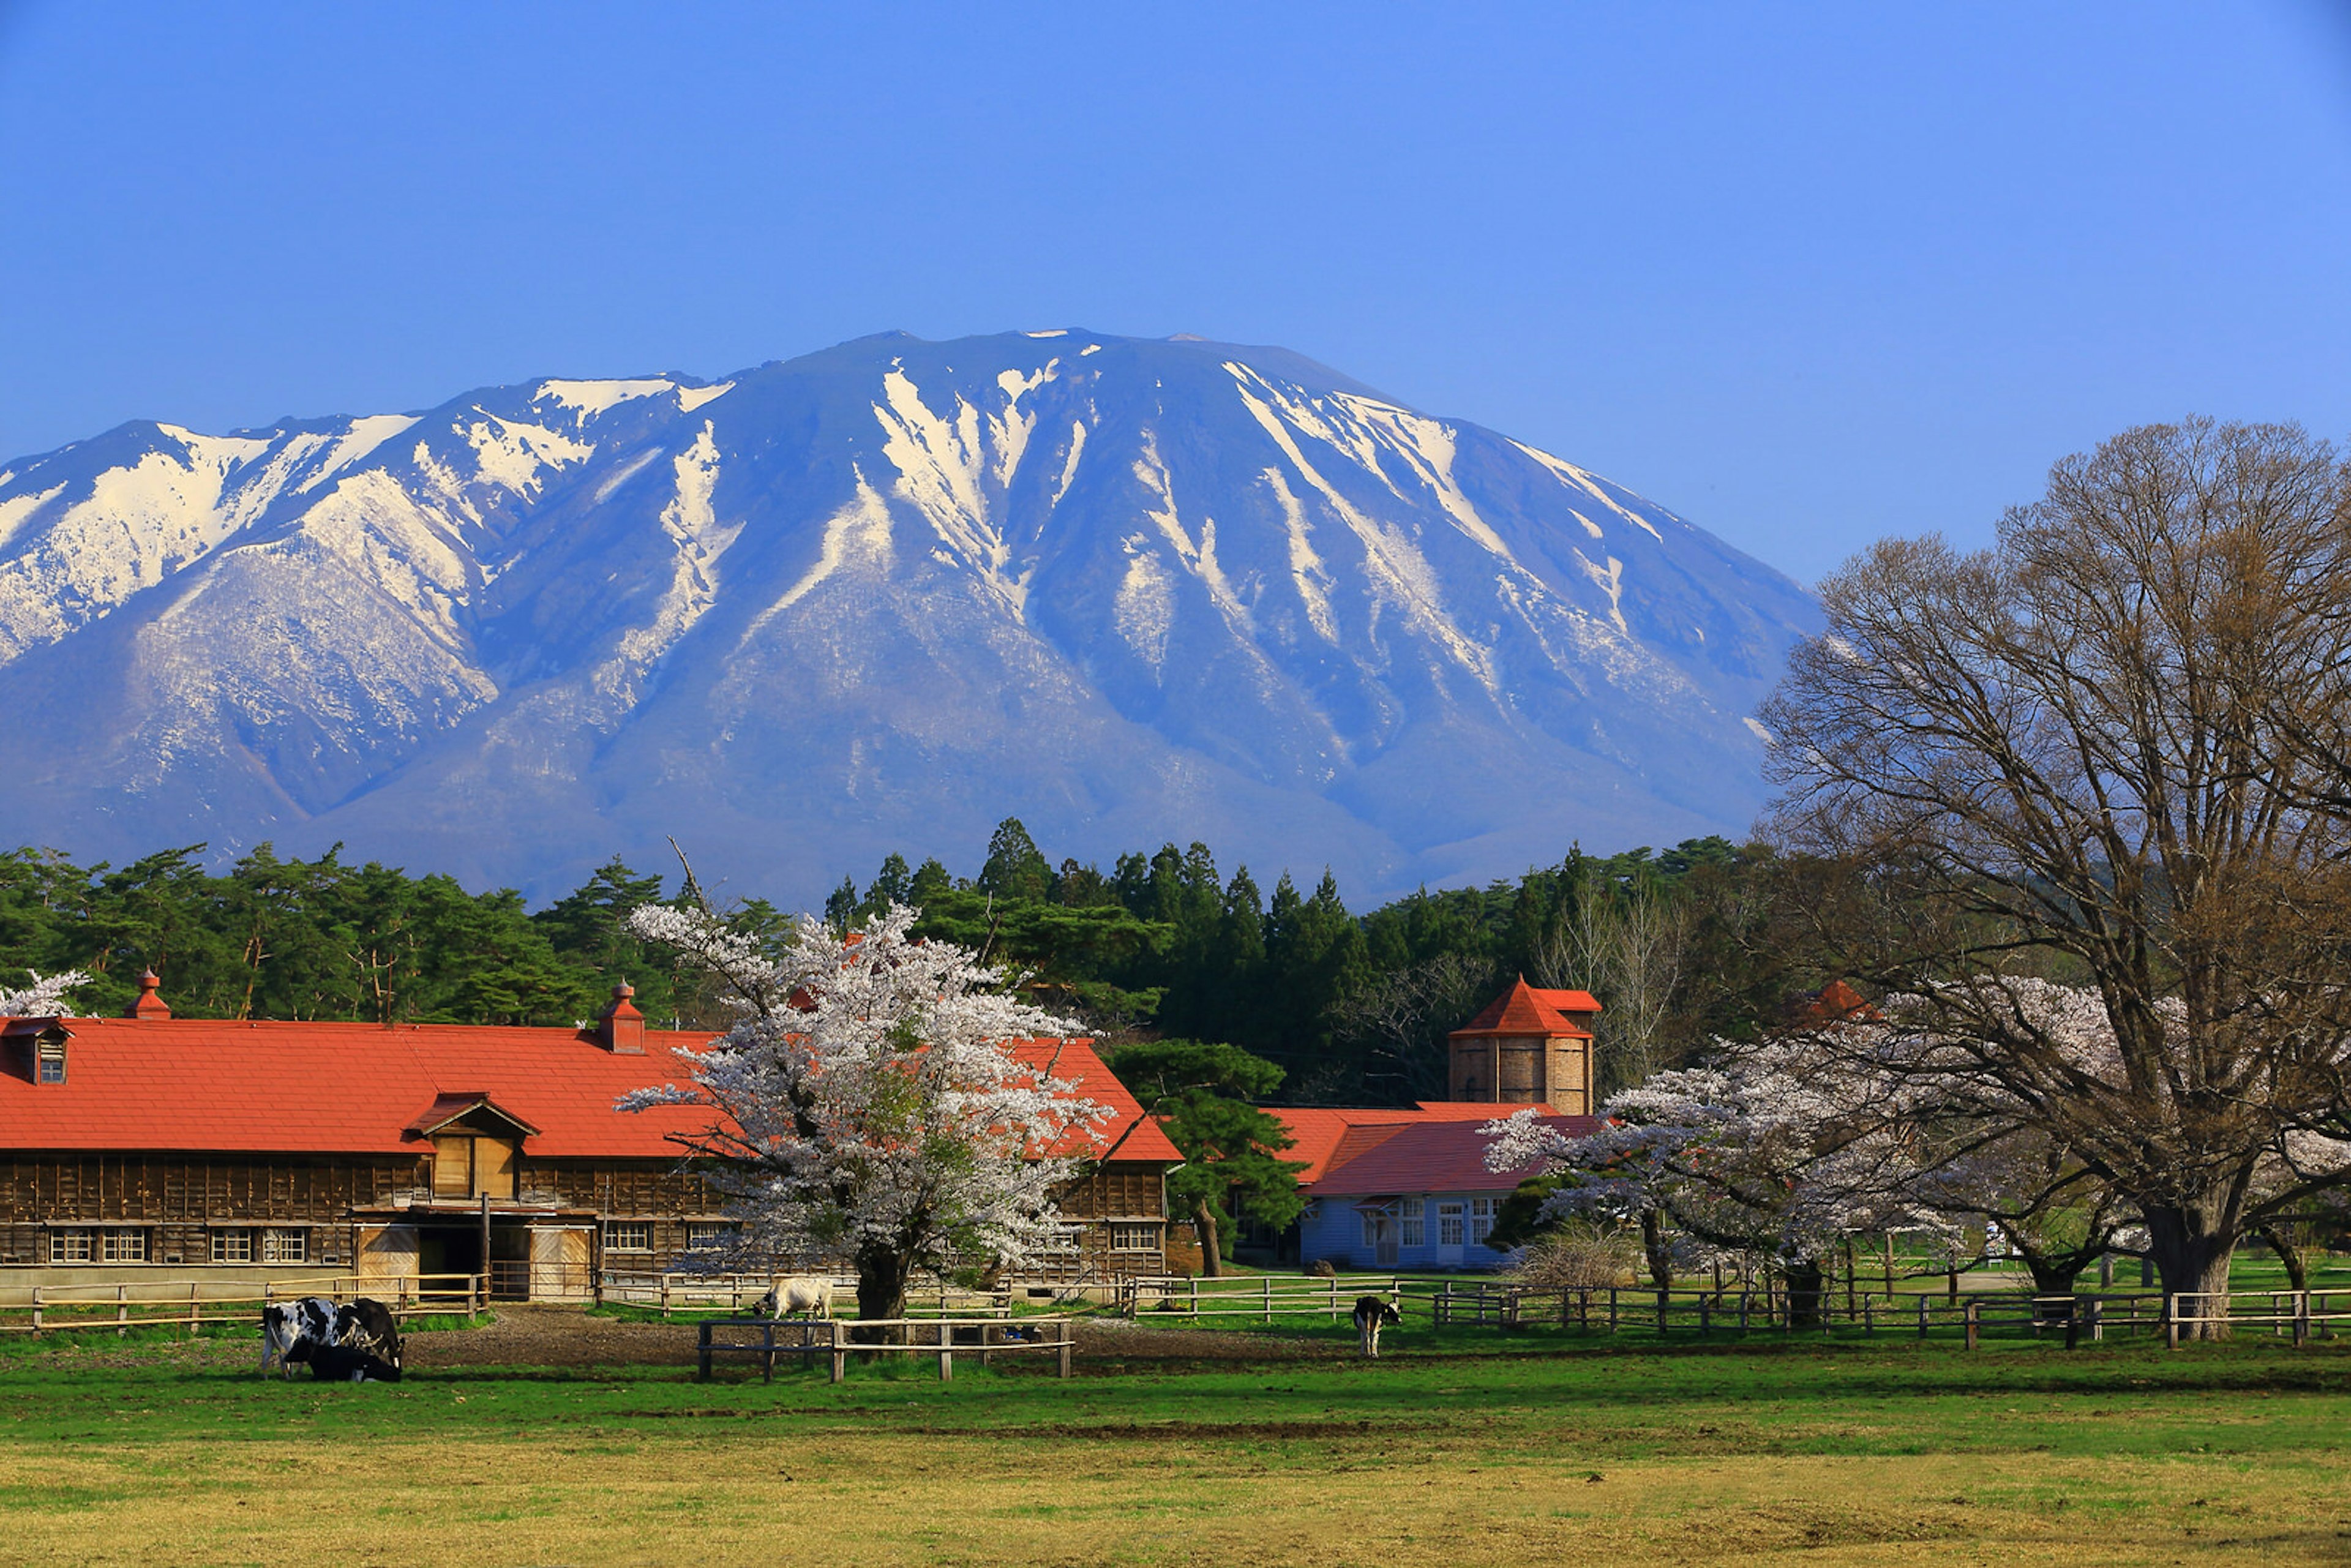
(363,1324)
(284,1324)
(1372,1314)
(806,1294)
(343,1362)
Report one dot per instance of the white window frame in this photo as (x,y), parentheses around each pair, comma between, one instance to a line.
(1481,1219)
(628,1235)
(709,1235)
(120,1246)
(78,1245)
(233,1244)
(1452,1223)
(280,1244)
(1414,1223)
(1135,1236)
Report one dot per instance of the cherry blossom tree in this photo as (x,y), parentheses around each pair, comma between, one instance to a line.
(1776,1150)
(42,997)
(867,1105)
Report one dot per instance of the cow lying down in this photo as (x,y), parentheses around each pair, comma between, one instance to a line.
(343,1364)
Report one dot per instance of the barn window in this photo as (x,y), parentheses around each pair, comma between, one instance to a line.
(1134,1238)
(232,1246)
(628,1235)
(70,1246)
(708,1235)
(1481,1219)
(123,1247)
(1416,1225)
(285,1245)
(49,1060)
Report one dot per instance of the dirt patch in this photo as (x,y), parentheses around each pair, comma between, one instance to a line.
(567,1336)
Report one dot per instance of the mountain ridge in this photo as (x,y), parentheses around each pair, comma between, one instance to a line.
(876,597)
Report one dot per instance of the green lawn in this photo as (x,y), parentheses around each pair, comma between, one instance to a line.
(1894,1452)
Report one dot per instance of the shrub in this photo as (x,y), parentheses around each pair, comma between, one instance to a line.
(1565,1260)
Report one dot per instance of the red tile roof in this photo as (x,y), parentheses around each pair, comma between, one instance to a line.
(1524,1009)
(194,1085)
(1430,1156)
(1319,1132)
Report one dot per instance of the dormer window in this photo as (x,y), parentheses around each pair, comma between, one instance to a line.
(49,1059)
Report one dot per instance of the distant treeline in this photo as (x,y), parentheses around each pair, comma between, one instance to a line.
(1354,1008)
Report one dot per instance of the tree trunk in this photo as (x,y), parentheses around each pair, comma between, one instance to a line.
(2192,1253)
(881,1283)
(1203,1225)
(2297,1266)
(2051,1277)
(1656,1250)
(1807,1292)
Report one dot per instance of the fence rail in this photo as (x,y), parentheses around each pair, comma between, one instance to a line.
(2304,1315)
(677,1292)
(840,1338)
(191,1303)
(1263,1297)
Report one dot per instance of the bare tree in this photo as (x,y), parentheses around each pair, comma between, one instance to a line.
(1400,1018)
(1625,948)
(2105,749)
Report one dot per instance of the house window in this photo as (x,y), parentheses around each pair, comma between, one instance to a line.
(285,1245)
(1370,1230)
(1448,1225)
(1143,1237)
(628,1235)
(708,1235)
(1481,1219)
(1415,1224)
(231,1245)
(123,1247)
(70,1246)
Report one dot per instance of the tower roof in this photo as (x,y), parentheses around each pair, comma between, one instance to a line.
(1525,1009)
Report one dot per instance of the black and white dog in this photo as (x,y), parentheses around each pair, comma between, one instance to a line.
(363,1324)
(1372,1314)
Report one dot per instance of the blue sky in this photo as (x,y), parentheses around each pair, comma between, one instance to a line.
(1806,274)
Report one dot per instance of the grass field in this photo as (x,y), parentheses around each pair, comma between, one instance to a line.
(161,1451)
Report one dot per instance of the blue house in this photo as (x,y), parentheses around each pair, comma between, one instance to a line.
(1412,1194)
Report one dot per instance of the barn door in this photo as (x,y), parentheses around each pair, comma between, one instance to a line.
(453,1165)
(387,1252)
(558,1263)
(494,1167)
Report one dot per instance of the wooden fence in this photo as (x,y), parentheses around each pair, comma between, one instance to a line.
(1700,1312)
(1262,1297)
(191,1303)
(681,1292)
(838,1338)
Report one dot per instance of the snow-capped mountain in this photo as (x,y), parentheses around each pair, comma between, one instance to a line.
(877,597)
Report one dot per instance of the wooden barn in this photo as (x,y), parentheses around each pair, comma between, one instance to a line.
(206,1148)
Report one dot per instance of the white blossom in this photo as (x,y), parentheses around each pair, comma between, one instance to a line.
(45,996)
(868,1108)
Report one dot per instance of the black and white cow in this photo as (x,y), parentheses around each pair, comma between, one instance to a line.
(363,1324)
(343,1362)
(1372,1314)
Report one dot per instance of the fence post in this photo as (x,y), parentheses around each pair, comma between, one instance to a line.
(1869,1317)
(2301,1317)
(1612,1309)
(1705,1317)
(1922,1314)
(121,1305)
(36,1309)
(1196,1295)
(2170,1320)
(1068,1343)
(946,1350)
(664,1298)
(1974,1322)
(702,1354)
(1744,1302)
(840,1355)
(195,1307)
(1266,1281)
(1661,1315)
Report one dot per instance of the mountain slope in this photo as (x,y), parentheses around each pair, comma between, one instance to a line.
(878,596)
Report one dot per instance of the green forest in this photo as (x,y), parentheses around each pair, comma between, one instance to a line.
(1354,1009)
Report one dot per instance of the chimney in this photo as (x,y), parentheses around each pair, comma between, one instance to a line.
(622,1030)
(149,1006)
